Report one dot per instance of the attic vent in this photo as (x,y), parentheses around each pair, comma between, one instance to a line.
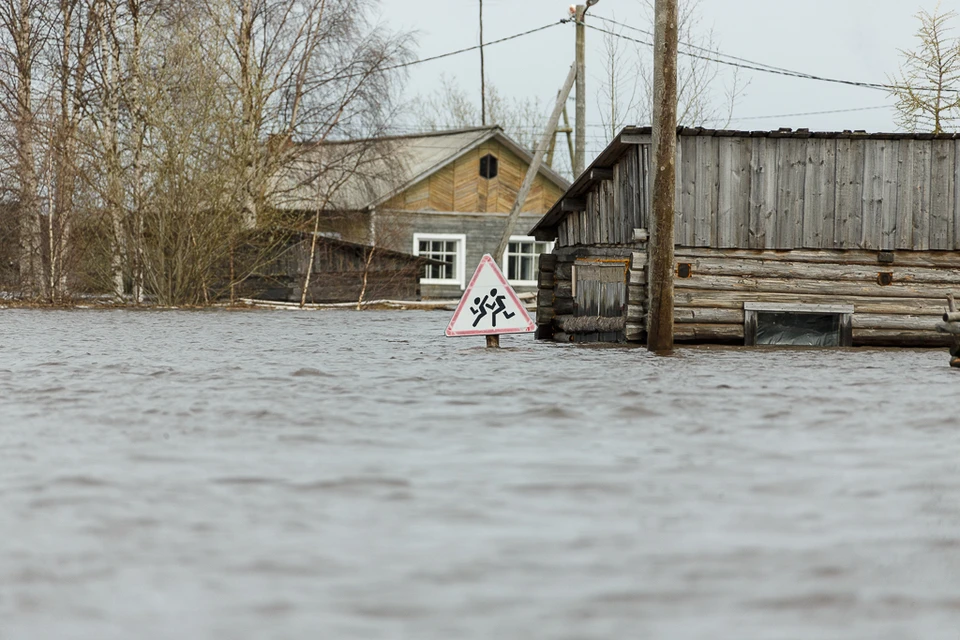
(488,167)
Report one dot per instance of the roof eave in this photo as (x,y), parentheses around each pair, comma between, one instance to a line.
(545,229)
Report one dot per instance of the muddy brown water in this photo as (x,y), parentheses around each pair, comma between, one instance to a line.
(344,475)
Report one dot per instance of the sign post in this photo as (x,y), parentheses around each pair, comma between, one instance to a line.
(489,307)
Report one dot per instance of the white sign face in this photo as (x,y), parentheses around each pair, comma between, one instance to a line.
(489,306)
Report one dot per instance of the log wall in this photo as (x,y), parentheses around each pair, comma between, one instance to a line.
(562,318)
(709,303)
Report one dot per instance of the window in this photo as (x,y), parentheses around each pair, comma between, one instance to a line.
(448,250)
(522,259)
(488,167)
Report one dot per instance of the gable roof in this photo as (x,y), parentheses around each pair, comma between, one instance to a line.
(362,174)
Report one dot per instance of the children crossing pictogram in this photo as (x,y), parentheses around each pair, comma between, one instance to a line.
(492,304)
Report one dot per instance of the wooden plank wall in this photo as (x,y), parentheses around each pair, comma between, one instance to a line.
(614,208)
(709,304)
(458,186)
(808,193)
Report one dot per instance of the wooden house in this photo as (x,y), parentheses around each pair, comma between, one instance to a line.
(788,237)
(444,196)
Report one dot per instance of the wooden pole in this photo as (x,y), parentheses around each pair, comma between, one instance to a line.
(493,342)
(483,81)
(580,115)
(567,130)
(534,168)
(660,314)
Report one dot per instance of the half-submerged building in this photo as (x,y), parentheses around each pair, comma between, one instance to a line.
(791,237)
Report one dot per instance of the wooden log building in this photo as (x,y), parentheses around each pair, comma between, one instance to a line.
(849,237)
(340,272)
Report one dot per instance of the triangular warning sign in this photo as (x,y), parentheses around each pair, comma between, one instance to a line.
(489,306)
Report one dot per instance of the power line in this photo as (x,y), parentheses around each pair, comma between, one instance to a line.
(697,47)
(458,51)
(762,68)
(812,113)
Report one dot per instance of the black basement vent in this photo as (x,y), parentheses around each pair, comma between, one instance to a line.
(810,325)
(488,167)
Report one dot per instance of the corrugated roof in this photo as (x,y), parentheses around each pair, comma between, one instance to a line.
(360,174)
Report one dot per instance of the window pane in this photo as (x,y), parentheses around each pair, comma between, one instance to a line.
(444,251)
(526,268)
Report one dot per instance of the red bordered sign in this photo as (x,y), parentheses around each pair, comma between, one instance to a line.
(489,306)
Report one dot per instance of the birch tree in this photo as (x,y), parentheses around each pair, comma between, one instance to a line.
(307,69)
(22,37)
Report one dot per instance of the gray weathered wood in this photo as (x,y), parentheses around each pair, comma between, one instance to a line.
(920,202)
(948,259)
(708,315)
(763,193)
(798,308)
(899,337)
(849,186)
(708,332)
(705,206)
(746,268)
(879,194)
(942,172)
(791,167)
(819,193)
(906,188)
(686,213)
(817,287)
(733,192)
(733,299)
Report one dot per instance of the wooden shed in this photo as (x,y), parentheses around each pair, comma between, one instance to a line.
(854,236)
(341,270)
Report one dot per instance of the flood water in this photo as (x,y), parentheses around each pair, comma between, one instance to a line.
(341,475)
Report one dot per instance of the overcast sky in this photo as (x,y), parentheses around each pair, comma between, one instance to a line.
(849,39)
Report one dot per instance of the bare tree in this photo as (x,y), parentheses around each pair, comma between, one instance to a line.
(310,69)
(450,107)
(618,92)
(146,135)
(705,96)
(23,37)
(74,38)
(928,83)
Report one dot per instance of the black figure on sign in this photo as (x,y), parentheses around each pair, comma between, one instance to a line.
(481,311)
(499,307)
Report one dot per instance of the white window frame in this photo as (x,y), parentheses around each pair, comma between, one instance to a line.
(461,263)
(506,264)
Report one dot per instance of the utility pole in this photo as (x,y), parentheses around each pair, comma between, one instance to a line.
(581,109)
(660,313)
(580,117)
(483,81)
